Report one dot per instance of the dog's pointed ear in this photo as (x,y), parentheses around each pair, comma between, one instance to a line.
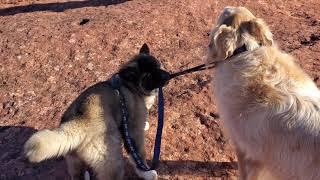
(258,29)
(145,49)
(224,41)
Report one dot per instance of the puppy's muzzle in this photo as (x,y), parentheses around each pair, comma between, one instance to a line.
(164,77)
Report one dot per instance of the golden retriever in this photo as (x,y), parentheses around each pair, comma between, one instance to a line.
(269,105)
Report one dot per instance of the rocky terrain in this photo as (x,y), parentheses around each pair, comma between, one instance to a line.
(50,51)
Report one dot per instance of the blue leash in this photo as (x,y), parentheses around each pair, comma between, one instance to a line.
(157,143)
(129,142)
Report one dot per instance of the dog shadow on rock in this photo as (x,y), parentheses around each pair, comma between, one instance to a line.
(57,7)
(197,168)
(13,164)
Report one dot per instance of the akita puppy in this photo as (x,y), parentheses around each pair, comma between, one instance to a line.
(89,133)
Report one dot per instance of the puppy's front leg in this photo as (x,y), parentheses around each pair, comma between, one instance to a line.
(138,137)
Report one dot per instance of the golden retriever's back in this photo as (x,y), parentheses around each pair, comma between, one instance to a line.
(269,106)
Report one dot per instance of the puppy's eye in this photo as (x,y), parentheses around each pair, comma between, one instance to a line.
(147,81)
(147,77)
(129,74)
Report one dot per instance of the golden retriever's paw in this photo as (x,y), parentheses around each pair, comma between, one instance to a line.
(36,148)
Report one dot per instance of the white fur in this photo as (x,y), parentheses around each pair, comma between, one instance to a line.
(147,175)
(149,101)
(46,144)
(86,175)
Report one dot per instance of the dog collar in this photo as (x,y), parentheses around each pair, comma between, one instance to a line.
(239,50)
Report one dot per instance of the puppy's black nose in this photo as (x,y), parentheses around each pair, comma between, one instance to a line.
(165,76)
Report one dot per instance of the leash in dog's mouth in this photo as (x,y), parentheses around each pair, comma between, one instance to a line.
(128,141)
(211,65)
(194,69)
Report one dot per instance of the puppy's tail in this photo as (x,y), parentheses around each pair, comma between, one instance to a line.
(46,144)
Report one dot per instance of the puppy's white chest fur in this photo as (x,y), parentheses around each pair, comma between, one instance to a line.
(149,100)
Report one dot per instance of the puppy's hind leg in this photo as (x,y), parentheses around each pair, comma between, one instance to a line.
(106,166)
(104,155)
(76,167)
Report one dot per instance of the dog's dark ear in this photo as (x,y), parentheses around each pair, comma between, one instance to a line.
(259,30)
(145,49)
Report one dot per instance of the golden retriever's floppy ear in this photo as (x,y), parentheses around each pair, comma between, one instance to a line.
(258,29)
(224,39)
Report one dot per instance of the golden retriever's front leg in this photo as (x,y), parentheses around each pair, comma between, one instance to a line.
(253,169)
(241,164)
(248,169)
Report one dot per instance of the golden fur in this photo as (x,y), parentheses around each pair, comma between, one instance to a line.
(269,105)
(89,133)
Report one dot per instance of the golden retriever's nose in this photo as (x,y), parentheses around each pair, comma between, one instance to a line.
(227,11)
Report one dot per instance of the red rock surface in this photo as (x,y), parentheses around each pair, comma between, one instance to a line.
(47,57)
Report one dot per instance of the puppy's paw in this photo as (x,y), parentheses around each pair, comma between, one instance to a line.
(146,126)
(36,148)
(150,175)
(86,175)
(147,175)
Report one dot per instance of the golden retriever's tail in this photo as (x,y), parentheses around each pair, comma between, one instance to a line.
(46,144)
